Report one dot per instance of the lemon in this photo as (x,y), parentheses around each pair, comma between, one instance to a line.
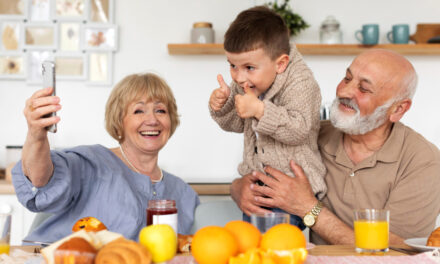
(160,240)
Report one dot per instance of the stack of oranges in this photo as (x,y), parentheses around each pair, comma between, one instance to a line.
(239,242)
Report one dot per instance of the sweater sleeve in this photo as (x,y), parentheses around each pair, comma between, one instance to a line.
(227,117)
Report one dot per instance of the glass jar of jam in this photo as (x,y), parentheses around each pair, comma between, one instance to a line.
(162,212)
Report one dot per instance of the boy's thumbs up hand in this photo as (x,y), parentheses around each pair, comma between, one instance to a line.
(248,105)
(220,95)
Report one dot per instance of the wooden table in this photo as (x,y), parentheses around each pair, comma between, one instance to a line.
(345,250)
(322,250)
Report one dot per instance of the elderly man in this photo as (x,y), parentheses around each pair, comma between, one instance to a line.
(372,160)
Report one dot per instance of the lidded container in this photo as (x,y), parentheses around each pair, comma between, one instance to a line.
(162,212)
(202,33)
(330,32)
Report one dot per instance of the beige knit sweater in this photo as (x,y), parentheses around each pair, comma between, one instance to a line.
(288,129)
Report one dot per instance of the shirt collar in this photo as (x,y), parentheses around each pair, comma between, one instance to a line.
(389,152)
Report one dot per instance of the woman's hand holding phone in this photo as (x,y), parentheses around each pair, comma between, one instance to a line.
(38,110)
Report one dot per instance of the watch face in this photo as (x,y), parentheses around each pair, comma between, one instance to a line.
(309,220)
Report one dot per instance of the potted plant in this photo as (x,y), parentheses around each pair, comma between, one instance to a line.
(295,23)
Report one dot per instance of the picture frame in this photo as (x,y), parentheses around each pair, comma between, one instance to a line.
(13,9)
(40,36)
(101,11)
(71,66)
(70,10)
(100,66)
(12,65)
(11,35)
(35,59)
(100,37)
(70,36)
(40,10)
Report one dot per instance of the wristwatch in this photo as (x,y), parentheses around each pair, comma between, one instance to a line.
(310,218)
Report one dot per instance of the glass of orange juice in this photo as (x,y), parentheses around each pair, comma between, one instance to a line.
(371,230)
(5,233)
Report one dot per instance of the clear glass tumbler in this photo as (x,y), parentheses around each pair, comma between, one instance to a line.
(371,230)
(265,221)
(5,233)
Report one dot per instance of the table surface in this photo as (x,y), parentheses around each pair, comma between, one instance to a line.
(321,250)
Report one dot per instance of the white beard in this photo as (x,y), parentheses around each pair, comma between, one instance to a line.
(357,124)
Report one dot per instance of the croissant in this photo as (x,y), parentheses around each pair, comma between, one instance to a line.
(434,238)
(123,251)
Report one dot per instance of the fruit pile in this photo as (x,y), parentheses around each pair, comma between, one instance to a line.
(239,242)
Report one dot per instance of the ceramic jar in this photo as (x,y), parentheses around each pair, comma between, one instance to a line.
(202,32)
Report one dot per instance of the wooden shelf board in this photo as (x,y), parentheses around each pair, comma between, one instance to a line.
(313,49)
(211,188)
(200,188)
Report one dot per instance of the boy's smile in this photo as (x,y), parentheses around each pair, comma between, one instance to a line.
(255,68)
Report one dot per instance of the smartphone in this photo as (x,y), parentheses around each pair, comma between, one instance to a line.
(48,69)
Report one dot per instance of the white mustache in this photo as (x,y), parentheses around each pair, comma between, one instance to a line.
(349,103)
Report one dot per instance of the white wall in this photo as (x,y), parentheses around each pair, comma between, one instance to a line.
(199,150)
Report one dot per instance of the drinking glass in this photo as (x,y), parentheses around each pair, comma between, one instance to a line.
(5,232)
(265,221)
(371,230)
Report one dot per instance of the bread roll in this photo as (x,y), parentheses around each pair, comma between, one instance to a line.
(75,250)
(123,251)
(184,243)
(434,238)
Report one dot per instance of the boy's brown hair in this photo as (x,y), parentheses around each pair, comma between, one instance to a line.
(258,27)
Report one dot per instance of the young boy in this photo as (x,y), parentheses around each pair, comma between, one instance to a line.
(273,99)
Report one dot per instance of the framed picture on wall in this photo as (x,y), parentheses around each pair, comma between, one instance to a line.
(100,68)
(35,59)
(101,11)
(40,10)
(100,37)
(11,35)
(12,66)
(69,36)
(70,9)
(70,66)
(40,36)
(13,9)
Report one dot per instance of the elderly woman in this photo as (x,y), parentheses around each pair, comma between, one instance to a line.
(113,185)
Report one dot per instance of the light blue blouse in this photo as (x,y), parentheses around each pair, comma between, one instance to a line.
(92,181)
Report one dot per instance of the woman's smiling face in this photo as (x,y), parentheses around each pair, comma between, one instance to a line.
(146,126)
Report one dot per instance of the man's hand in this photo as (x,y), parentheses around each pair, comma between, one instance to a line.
(248,105)
(220,95)
(244,196)
(292,194)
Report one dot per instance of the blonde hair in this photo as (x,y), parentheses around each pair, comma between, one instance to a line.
(128,90)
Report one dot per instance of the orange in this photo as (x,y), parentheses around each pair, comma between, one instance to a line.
(293,256)
(213,245)
(283,237)
(251,256)
(247,235)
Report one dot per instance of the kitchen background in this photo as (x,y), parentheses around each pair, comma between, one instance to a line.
(200,151)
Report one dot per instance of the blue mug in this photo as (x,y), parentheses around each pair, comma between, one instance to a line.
(369,35)
(399,34)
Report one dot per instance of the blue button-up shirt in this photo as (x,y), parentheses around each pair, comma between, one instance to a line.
(92,181)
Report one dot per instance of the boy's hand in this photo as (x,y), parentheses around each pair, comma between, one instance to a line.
(220,95)
(248,105)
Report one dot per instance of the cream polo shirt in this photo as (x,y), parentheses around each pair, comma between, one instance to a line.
(403,176)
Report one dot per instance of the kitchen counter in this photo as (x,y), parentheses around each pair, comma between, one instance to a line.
(6,187)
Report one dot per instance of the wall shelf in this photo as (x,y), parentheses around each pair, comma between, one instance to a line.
(313,49)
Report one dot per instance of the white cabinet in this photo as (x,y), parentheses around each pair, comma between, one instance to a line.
(21,217)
